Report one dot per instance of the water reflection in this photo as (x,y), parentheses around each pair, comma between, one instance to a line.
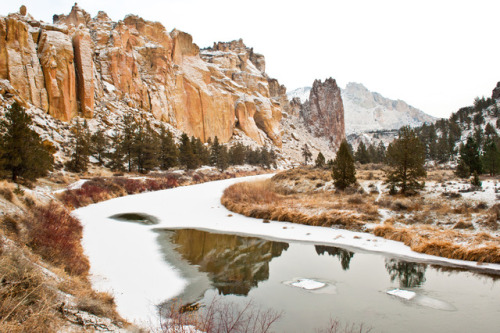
(344,256)
(408,274)
(234,264)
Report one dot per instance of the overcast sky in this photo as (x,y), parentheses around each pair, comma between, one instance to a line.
(435,55)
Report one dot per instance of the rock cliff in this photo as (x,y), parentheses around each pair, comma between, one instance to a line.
(323,112)
(496,92)
(78,64)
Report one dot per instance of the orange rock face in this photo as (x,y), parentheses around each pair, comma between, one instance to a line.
(67,67)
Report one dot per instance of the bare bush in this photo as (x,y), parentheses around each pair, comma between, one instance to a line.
(220,316)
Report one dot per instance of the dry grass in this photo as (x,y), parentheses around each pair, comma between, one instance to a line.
(441,243)
(27,299)
(264,200)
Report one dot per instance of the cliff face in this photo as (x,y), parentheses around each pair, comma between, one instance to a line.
(323,112)
(78,63)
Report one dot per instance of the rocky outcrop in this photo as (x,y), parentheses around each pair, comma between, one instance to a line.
(496,92)
(323,112)
(69,67)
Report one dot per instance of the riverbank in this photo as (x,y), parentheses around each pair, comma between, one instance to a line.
(447,218)
(136,256)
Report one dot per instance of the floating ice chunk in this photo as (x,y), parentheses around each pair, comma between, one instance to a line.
(406,294)
(308,284)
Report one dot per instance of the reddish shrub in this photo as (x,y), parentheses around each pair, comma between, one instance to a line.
(56,235)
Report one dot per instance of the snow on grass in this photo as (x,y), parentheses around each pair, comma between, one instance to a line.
(125,257)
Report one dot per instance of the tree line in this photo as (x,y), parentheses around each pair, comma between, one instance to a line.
(139,147)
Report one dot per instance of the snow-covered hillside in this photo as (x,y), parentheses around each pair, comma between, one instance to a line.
(369,111)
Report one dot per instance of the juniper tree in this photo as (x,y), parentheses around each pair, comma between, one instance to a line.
(22,152)
(406,159)
(343,170)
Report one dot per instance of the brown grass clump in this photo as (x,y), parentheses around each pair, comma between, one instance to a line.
(436,242)
(261,200)
(27,299)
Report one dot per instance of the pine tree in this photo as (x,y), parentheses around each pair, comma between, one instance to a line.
(99,145)
(491,157)
(145,148)
(406,159)
(128,139)
(306,153)
(237,154)
(21,149)
(320,160)
(115,156)
(80,140)
(201,152)
(169,153)
(462,169)
(470,155)
(343,171)
(186,154)
(361,154)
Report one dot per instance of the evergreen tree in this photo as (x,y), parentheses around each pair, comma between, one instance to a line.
(491,157)
(361,154)
(169,153)
(265,158)
(128,139)
(343,171)
(462,169)
(237,154)
(381,152)
(115,156)
(99,145)
(22,152)
(201,152)
(320,160)
(186,154)
(470,155)
(306,153)
(406,158)
(80,140)
(145,148)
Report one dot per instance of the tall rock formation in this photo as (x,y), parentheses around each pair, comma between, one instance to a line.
(323,112)
(78,63)
(496,92)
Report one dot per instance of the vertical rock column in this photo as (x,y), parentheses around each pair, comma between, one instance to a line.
(19,62)
(84,65)
(56,55)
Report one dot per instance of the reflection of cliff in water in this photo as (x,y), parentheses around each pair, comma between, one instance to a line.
(234,264)
(409,274)
(344,256)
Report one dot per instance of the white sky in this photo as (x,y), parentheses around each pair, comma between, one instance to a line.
(436,55)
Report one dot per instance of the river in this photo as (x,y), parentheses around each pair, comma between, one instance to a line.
(143,267)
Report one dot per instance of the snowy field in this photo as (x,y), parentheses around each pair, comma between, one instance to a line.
(126,260)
